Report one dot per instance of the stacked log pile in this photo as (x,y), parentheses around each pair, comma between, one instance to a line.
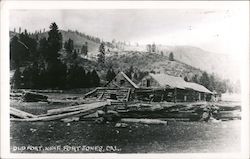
(111,109)
(187,111)
(116,102)
(62,113)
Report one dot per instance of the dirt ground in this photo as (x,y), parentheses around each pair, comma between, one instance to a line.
(90,137)
(83,136)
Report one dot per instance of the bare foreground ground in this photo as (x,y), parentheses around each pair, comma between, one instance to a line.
(90,137)
(137,138)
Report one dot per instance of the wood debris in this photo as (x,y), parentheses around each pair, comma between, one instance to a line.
(83,110)
(144,121)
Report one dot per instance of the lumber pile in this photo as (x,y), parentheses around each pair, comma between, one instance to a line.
(77,108)
(115,104)
(16,96)
(62,113)
(199,111)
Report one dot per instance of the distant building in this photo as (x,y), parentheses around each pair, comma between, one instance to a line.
(163,87)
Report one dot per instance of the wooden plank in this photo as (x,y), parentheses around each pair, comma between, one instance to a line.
(90,93)
(144,121)
(75,108)
(128,94)
(21,114)
(100,97)
(83,112)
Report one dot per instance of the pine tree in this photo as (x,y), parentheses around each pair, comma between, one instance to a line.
(19,51)
(69,46)
(84,49)
(195,79)
(89,81)
(162,53)
(211,85)
(101,55)
(56,70)
(30,44)
(171,56)
(15,52)
(74,56)
(204,80)
(54,42)
(130,72)
(153,47)
(135,76)
(17,79)
(82,78)
(149,48)
(110,75)
(34,75)
(95,78)
(43,48)
(27,77)
(71,76)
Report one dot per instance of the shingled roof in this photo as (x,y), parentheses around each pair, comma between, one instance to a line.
(177,82)
(170,81)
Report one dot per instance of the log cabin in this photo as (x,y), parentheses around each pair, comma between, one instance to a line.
(163,87)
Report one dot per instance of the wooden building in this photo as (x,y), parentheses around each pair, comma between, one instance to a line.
(163,87)
(121,80)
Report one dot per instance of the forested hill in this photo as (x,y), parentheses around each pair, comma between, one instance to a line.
(152,62)
(220,64)
(78,38)
(122,60)
(120,57)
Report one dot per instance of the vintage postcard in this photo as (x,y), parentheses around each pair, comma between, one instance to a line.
(137,79)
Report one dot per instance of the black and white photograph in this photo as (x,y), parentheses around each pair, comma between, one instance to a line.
(125,78)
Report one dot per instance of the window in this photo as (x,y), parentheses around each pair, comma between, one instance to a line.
(122,82)
(148,83)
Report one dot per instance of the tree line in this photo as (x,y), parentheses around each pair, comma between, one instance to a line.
(38,63)
(212,82)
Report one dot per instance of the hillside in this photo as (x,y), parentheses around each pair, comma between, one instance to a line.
(221,64)
(191,59)
(145,61)
(78,39)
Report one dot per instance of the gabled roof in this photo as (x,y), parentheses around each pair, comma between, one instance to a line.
(129,80)
(167,80)
(177,82)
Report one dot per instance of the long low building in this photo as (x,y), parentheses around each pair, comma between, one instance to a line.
(163,87)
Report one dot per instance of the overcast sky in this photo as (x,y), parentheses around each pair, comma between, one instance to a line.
(219,31)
